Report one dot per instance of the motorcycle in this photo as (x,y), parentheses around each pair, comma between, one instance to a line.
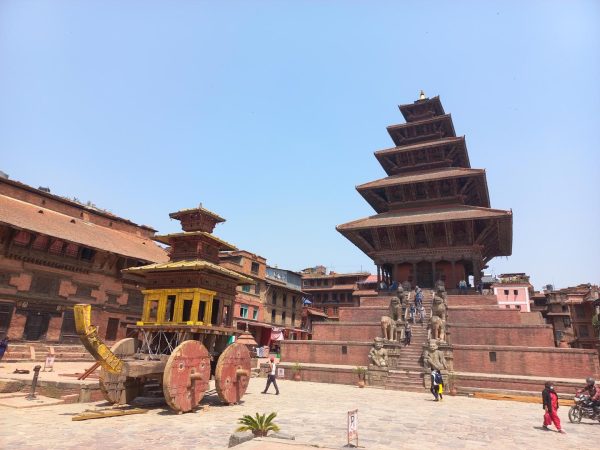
(583,409)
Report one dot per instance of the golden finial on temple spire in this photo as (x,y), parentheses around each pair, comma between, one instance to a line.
(422,95)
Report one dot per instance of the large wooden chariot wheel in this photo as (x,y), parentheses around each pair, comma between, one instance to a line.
(118,388)
(186,376)
(233,373)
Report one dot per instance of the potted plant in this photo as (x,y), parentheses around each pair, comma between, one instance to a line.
(296,368)
(259,425)
(362,374)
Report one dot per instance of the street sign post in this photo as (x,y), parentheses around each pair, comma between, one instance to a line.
(353,426)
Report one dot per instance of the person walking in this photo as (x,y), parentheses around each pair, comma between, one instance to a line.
(3,347)
(272,376)
(411,311)
(440,384)
(434,385)
(407,333)
(421,314)
(550,404)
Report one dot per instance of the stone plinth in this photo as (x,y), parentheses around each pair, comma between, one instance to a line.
(352,331)
(507,334)
(550,362)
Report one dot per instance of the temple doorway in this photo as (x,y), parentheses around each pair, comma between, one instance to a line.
(36,325)
(424,274)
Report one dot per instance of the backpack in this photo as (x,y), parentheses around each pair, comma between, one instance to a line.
(438,378)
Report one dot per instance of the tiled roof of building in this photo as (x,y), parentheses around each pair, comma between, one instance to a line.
(334,275)
(410,217)
(223,245)
(26,216)
(424,175)
(191,265)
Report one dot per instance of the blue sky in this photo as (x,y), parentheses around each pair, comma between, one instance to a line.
(269,113)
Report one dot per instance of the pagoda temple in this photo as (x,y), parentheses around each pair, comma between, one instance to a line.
(434,220)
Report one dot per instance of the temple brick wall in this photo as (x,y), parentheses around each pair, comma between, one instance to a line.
(472,300)
(321,352)
(537,361)
(504,334)
(354,331)
(465,314)
(363,314)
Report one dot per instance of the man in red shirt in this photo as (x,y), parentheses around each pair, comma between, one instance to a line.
(550,401)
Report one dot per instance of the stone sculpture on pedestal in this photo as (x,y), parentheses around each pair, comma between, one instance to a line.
(433,358)
(378,355)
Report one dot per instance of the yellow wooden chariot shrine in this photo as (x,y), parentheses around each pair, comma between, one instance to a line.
(182,339)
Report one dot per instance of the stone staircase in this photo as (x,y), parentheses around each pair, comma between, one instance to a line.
(408,374)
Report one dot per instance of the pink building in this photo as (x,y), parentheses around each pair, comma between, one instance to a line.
(512,290)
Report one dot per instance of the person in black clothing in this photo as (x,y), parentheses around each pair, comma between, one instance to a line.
(3,347)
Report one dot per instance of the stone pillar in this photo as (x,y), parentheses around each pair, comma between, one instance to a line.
(378,275)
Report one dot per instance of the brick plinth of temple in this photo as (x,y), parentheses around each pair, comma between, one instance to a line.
(489,349)
(502,349)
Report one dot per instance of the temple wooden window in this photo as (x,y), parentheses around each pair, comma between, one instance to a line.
(257,288)
(56,247)
(583,331)
(111,299)
(274,298)
(40,242)
(254,268)
(72,250)
(283,317)
(579,311)
(134,298)
(246,288)
(4,278)
(255,314)
(87,254)
(284,301)
(84,291)
(22,238)
(186,312)
(333,297)
(273,315)
(293,319)
(294,300)
(344,349)
(567,322)
(152,313)
(492,356)
(244,311)
(44,284)
(170,308)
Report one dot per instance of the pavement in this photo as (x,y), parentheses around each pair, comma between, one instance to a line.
(62,371)
(315,413)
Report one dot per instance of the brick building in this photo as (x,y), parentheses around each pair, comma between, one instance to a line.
(331,290)
(271,309)
(56,252)
(571,312)
(513,291)
(248,310)
(284,303)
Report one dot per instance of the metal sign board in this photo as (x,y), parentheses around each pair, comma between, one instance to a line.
(280,373)
(353,426)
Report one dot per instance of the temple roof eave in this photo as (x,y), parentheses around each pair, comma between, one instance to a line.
(414,217)
(443,173)
(167,238)
(193,265)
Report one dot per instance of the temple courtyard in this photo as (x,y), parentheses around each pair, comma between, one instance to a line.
(315,413)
